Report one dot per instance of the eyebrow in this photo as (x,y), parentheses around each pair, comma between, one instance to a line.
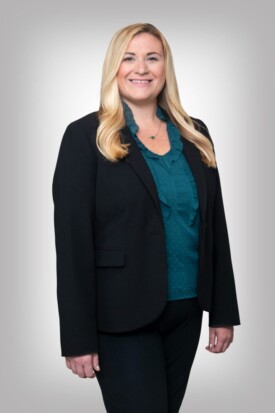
(133,54)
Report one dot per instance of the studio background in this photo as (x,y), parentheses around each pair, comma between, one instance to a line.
(51,59)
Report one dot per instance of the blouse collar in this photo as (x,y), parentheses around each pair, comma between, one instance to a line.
(173,132)
(129,117)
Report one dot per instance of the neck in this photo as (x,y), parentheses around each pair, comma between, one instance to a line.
(144,113)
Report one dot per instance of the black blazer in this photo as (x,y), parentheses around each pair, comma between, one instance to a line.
(110,244)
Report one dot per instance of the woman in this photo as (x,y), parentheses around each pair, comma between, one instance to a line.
(141,237)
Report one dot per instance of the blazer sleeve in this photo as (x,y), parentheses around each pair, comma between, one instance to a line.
(73,191)
(224,308)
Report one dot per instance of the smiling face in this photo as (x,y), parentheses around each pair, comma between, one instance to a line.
(141,75)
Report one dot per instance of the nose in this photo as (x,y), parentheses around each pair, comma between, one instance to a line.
(141,67)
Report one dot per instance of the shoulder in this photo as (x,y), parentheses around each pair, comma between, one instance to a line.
(84,128)
(201,127)
(87,123)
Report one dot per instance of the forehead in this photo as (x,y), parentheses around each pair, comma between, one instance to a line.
(143,41)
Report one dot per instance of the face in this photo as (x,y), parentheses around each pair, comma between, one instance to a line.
(141,75)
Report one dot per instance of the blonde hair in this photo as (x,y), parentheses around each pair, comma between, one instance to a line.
(111,114)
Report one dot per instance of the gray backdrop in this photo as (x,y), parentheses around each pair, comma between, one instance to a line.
(51,59)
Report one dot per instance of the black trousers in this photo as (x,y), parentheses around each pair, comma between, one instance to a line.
(147,370)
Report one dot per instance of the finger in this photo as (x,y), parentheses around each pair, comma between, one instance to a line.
(96,362)
(88,369)
(229,341)
(212,336)
(80,370)
(225,346)
(219,345)
(73,366)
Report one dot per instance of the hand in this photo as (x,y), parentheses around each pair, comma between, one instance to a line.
(224,337)
(83,365)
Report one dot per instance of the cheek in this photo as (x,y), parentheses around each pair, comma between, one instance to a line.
(123,71)
(160,73)
(162,79)
(121,76)
(120,80)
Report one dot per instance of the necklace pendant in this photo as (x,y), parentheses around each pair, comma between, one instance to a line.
(152,137)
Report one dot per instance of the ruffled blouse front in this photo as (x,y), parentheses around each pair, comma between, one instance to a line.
(177,193)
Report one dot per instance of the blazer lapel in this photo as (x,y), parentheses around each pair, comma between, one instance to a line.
(139,165)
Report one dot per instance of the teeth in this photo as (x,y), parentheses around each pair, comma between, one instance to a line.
(140,81)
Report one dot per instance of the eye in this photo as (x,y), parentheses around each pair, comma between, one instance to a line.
(152,58)
(128,58)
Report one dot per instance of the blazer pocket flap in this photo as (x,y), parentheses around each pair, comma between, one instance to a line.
(109,257)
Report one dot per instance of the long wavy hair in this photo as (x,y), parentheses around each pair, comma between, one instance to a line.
(111,114)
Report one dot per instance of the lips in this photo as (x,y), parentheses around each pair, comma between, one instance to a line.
(141,81)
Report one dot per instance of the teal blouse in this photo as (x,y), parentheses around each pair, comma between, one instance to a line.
(179,205)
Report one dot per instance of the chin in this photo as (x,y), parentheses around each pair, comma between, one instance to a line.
(141,98)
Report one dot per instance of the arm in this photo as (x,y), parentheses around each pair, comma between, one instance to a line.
(73,195)
(224,303)
(224,313)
